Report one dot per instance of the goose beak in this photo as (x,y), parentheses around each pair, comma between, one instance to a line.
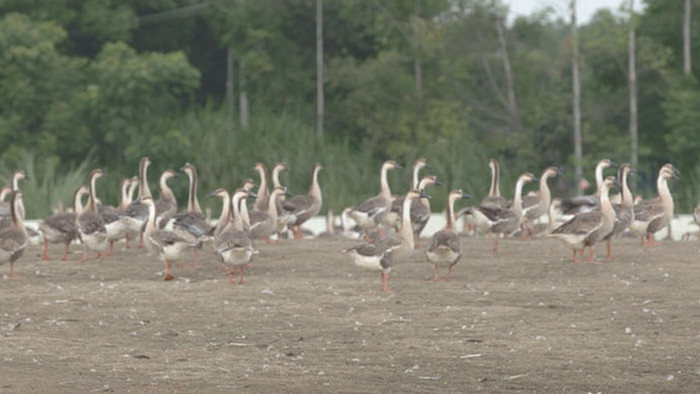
(212,194)
(437,183)
(252,194)
(535,179)
(465,195)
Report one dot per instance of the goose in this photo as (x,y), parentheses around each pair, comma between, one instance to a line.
(332,230)
(130,231)
(587,228)
(233,245)
(653,215)
(624,211)
(166,244)
(537,205)
(500,220)
(696,219)
(579,204)
(393,217)
(191,224)
(348,230)
(369,214)
(383,253)
(494,199)
(446,246)
(261,202)
(281,220)
(302,207)
(136,211)
(90,225)
(116,223)
(166,204)
(13,239)
(61,227)
(420,209)
(264,224)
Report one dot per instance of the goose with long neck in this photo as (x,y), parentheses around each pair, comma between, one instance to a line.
(264,224)
(588,228)
(61,227)
(500,220)
(90,224)
(233,244)
(13,239)
(371,212)
(349,230)
(261,202)
(137,212)
(302,207)
(537,205)
(115,220)
(624,211)
(494,199)
(166,205)
(579,204)
(191,225)
(382,254)
(5,209)
(653,215)
(165,244)
(446,246)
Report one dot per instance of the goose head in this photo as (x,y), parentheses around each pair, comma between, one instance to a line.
(551,172)
(669,171)
(219,193)
(17,176)
(247,184)
(390,165)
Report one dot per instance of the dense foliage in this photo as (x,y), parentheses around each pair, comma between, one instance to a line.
(104,82)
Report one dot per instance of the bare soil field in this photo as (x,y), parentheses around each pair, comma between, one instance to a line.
(523,320)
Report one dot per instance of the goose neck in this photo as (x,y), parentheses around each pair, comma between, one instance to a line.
(406,231)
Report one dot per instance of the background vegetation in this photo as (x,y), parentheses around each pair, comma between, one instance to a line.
(104,82)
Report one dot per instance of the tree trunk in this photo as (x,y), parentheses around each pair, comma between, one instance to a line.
(686,39)
(578,149)
(243,101)
(230,98)
(319,69)
(632,73)
(512,106)
(417,62)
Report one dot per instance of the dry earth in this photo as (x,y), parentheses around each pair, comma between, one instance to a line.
(522,320)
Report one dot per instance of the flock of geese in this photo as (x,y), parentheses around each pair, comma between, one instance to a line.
(390,224)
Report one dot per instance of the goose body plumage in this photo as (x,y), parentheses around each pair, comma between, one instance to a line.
(446,246)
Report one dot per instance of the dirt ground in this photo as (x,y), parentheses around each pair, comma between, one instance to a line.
(523,320)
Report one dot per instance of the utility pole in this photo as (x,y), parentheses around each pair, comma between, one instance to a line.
(319,69)
(230,98)
(578,149)
(686,38)
(632,74)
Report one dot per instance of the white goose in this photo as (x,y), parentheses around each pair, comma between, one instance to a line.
(136,211)
(89,222)
(536,206)
(624,211)
(446,246)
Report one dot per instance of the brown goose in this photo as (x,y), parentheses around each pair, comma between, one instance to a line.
(166,205)
(500,220)
(420,208)
(383,253)
(393,218)
(446,246)
(90,225)
(261,202)
(264,224)
(164,243)
(13,239)
(61,227)
(137,211)
(300,208)
(494,199)
(624,211)
(233,245)
(653,215)
(191,225)
(579,204)
(536,206)
(370,213)
(587,228)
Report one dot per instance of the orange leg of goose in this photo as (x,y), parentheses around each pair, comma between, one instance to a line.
(591,259)
(449,271)
(111,248)
(436,277)
(574,259)
(297,232)
(141,246)
(651,242)
(495,245)
(231,275)
(168,271)
(45,256)
(12,269)
(643,239)
(65,252)
(242,270)
(609,249)
(385,283)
